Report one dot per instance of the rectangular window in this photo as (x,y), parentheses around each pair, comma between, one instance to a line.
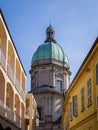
(97,73)
(82,99)
(40,112)
(71,112)
(89,92)
(75,105)
(59,85)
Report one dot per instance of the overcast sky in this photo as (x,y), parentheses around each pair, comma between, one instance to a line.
(75,23)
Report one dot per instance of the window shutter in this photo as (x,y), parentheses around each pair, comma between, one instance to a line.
(97,73)
(82,99)
(75,106)
(89,92)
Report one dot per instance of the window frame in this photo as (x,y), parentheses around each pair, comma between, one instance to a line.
(40,113)
(75,105)
(59,87)
(82,100)
(89,91)
(97,73)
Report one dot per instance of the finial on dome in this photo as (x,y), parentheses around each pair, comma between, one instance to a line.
(50,34)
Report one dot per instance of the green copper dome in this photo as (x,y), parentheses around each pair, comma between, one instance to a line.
(49,49)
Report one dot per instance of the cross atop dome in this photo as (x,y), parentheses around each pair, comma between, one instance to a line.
(50,34)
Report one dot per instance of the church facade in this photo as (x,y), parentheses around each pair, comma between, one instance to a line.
(50,77)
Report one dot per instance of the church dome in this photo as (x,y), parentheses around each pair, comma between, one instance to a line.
(50,49)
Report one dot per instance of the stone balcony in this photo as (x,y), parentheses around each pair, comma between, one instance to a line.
(7,113)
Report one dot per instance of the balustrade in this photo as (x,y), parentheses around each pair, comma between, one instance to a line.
(17,84)
(10,72)
(23,94)
(28,111)
(9,114)
(2,59)
(6,112)
(17,121)
(22,124)
(19,89)
(2,108)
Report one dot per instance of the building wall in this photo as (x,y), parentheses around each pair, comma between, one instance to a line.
(12,80)
(31,112)
(44,76)
(46,73)
(86,118)
(51,105)
(57,106)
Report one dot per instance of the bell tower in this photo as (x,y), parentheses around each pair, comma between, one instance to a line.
(50,34)
(50,78)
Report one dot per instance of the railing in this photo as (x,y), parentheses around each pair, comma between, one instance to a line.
(17,120)
(19,89)
(2,109)
(23,94)
(27,111)
(2,59)
(17,84)
(11,116)
(10,72)
(22,124)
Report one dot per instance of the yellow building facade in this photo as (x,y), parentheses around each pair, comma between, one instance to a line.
(80,107)
(31,115)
